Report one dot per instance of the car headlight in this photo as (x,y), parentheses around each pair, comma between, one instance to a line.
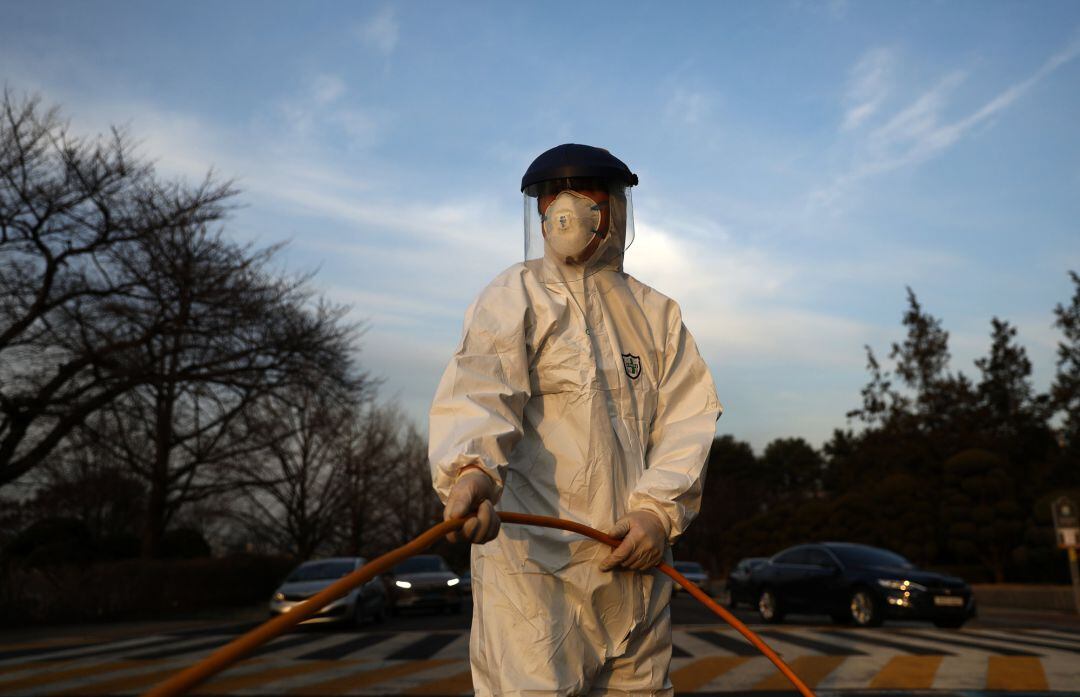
(402,584)
(900,585)
(453,582)
(279,596)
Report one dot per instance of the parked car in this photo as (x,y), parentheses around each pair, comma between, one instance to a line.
(367,601)
(858,584)
(424,581)
(694,573)
(739,587)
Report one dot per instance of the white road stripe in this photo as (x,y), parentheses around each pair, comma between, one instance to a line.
(964,672)
(742,677)
(1062,674)
(1057,635)
(458,649)
(855,672)
(64,654)
(1017,641)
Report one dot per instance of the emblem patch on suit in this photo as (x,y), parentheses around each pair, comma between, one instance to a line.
(632,364)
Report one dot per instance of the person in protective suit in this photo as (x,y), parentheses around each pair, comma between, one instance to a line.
(576,392)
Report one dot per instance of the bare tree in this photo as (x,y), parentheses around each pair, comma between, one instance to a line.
(294,489)
(372,444)
(409,504)
(230,335)
(70,209)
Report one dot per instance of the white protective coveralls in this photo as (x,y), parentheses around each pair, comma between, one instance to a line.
(583,408)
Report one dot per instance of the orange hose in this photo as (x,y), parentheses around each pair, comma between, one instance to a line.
(235,650)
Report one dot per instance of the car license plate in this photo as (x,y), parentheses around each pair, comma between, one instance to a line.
(948,601)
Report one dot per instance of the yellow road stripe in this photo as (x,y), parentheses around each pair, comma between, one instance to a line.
(223,684)
(46,676)
(369,677)
(703,671)
(1015,673)
(811,669)
(907,673)
(454,685)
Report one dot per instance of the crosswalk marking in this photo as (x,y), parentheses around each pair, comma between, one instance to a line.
(46,677)
(964,671)
(822,647)
(81,650)
(855,670)
(712,660)
(964,639)
(865,637)
(907,673)
(340,649)
(1015,673)
(1034,642)
(226,683)
(457,684)
(743,676)
(702,671)
(126,683)
(810,669)
(365,678)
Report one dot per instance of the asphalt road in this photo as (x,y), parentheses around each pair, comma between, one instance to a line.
(428,654)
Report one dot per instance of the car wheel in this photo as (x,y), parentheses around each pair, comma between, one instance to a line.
(840,617)
(865,608)
(769,606)
(950,622)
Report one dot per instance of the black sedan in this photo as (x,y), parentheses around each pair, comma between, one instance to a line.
(858,584)
(739,587)
(424,581)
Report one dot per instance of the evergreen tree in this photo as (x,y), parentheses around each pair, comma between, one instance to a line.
(1066,388)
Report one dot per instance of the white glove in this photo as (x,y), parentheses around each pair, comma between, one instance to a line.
(643,542)
(472,492)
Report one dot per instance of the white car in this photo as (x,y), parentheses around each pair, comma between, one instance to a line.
(367,601)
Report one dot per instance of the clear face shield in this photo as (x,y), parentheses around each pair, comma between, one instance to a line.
(577,226)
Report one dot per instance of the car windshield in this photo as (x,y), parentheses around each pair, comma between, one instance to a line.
(420,565)
(688,567)
(857,555)
(319,570)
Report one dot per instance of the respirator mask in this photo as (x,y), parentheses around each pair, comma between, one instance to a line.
(571,224)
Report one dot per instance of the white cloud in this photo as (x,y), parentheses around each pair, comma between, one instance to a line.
(867,87)
(689,107)
(744,302)
(320,110)
(327,89)
(381,31)
(920,131)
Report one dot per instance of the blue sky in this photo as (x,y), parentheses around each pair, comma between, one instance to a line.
(800,162)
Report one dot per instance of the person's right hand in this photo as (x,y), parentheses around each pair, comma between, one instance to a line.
(472,492)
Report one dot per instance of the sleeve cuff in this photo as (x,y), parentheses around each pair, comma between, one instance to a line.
(654,507)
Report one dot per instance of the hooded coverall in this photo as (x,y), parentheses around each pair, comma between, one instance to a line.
(582,399)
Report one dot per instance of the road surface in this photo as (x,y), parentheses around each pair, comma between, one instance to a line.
(428,655)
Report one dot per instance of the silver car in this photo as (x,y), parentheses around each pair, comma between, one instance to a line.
(369,600)
(694,573)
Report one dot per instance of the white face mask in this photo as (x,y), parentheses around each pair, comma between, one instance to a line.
(570,222)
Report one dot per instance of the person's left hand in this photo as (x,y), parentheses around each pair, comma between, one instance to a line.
(643,542)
